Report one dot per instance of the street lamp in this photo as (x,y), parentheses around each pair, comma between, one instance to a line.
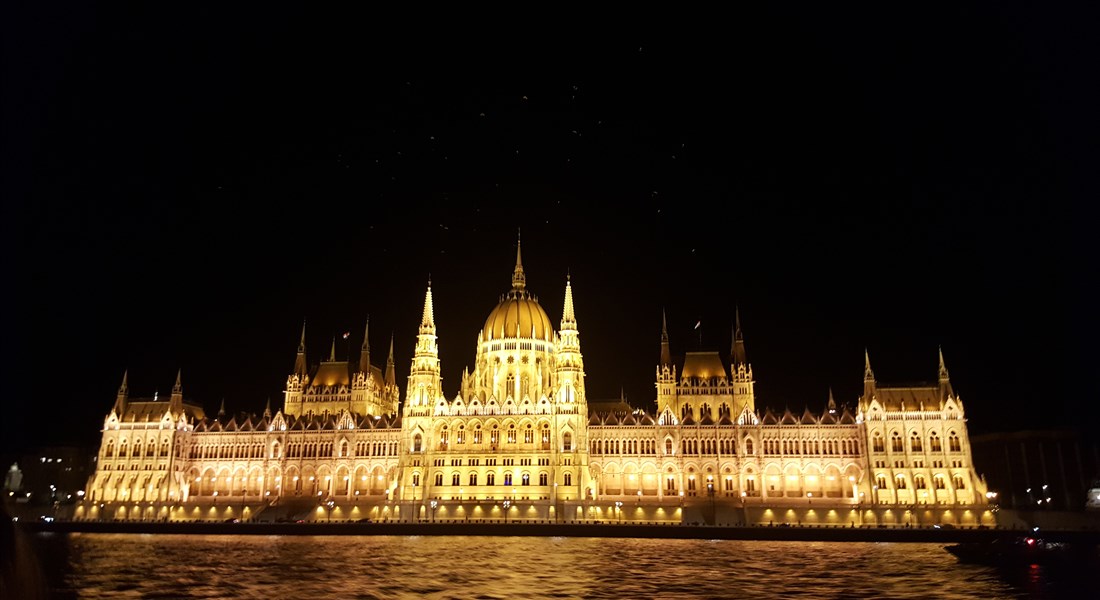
(433,504)
(619,509)
(507,505)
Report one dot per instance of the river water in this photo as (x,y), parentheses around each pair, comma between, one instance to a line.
(228,566)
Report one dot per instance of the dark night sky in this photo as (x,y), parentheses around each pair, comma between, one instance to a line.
(182,188)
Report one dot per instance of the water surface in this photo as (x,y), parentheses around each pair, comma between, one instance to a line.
(228,566)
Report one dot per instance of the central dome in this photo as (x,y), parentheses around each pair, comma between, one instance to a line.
(518,316)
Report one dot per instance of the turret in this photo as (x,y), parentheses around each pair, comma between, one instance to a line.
(570,371)
(424,377)
(744,393)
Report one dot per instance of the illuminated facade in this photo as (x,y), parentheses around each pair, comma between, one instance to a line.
(520,440)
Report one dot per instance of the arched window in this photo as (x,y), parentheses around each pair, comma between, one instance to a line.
(473,478)
(957,481)
(938,483)
(529,435)
(511,434)
(110,449)
(953,442)
(439,478)
(526,479)
(668,446)
(895,443)
(542,478)
(418,441)
(568,479)
(880,481)
(455,479)
(491,479)
(918,482)
(748,446)
(344,449)
(914,442)
(276,450)
(899,482)
(511,385)
(507,479)
(877,444)
(567,441)
(934,442)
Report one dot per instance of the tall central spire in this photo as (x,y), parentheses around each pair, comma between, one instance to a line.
(427,324)
(519,280)
(568,317)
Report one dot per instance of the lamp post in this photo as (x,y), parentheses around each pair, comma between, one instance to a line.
(619,510)
(507,505)
(434,504)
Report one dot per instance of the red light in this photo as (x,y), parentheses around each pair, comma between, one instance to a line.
(1030,541)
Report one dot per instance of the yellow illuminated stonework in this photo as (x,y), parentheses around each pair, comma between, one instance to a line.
(521,441)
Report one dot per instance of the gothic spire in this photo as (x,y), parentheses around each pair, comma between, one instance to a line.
(267,409)
(332,352)
(427,323)
(300,367)
(868,378)
(364,354)
(832,403)
(178,388)
(221,410)
(519,280)
(123,394)
(946,391)
(737,352)
(666,351)
(568,317)
(391,376)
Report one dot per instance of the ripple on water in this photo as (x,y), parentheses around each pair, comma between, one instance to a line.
(491,568)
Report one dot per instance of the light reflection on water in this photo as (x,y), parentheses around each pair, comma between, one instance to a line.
(226,566)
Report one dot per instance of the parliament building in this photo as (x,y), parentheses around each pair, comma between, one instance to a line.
(521,441)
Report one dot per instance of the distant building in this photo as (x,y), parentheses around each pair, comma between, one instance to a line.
(50,474)
(1038,469)
(520,440)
